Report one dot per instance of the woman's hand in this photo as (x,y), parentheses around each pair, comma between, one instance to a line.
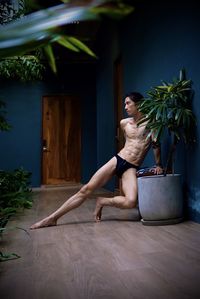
(158,170)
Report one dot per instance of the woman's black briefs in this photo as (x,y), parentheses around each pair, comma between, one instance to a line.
(122,166)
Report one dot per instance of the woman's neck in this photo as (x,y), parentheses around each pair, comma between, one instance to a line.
(137,117)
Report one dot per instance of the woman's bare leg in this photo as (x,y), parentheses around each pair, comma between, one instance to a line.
(128,201)
(98,180)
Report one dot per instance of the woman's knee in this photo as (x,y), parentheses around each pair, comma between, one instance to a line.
(86,189)
(131,202)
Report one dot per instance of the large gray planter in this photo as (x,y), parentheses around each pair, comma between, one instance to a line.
(160,199)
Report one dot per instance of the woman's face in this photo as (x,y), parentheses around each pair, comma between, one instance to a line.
(130,107)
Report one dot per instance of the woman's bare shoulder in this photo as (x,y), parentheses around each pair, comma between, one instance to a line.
(124,121)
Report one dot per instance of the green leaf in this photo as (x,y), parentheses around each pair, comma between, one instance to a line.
(157,133)
(81,45)
(149,135)
(143,120)
(65,42)
(118,10)
(50,56)
(158,114)
(176,133)
(178,113)
(162,87)
(8,256)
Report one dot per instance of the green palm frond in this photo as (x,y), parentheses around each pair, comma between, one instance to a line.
(39,28)
(46,26)
(169,106)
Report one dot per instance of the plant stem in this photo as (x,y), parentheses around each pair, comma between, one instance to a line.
(170,158)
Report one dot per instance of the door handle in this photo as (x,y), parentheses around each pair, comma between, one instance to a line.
(45,149)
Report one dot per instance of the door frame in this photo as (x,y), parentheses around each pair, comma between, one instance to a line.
(118,95)
(118,104)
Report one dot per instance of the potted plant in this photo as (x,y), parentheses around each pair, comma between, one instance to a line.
(167,109)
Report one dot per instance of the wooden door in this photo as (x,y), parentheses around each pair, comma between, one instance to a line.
(61,140)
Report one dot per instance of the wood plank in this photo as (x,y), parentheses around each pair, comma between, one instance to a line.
(117,258)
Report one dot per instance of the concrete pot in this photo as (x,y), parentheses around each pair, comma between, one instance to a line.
(160,199)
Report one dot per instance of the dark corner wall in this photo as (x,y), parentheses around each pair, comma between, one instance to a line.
(108,52)
(22,146)
(155,41)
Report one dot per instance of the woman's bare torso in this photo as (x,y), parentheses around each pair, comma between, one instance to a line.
(136,145)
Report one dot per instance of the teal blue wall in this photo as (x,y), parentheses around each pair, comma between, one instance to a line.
(162,39)
(21,147)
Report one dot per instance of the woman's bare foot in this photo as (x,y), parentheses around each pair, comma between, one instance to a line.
(98,211)
(48,221)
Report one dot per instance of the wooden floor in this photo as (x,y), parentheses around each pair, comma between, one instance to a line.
(118,258)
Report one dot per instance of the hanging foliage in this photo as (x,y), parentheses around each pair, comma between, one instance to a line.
(24,68)
(11,10)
